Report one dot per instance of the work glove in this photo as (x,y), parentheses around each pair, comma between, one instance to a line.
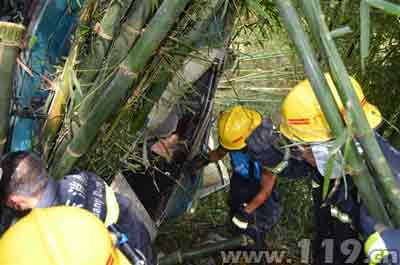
(383,247)
(241,219)
(262,143)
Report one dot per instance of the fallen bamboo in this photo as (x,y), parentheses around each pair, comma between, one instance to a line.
(180,257)
(64,84)
(105,31)
(125,78)
(10,40)
(129,33)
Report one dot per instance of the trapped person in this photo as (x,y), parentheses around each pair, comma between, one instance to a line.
(253,199)
(168,141)
(25,184)
(338,217)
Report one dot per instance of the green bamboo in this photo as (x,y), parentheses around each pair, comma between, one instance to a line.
(393,9)
(365,184)
(164,79)
(130,31)
(187,40)
(10,39)
(180,257)
(311,19)
(126,78)
(105,33)
(64,83)
(163,76)
(63,88)
(359,122)
(365,27)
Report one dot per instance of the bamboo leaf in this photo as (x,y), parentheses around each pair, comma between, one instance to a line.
(328,174)
(335,148)
(258,9)
(77,83)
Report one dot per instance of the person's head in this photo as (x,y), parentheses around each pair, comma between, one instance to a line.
(24,178)
(302,119)
(235,125)
(303,122)
(172,148)
(59,235)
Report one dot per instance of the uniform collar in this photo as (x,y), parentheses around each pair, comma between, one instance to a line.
(49,196)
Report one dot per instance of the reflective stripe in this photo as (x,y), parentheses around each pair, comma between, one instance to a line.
(314,184)
(341,216)
(283,164)
(240,224)
(112,207)
(279,168)
(375,248)
(298,121)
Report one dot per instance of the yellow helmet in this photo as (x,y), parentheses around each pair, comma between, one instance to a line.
(235,125)
(303,120)
(59,235)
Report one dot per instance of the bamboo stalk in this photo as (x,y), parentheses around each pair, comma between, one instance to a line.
(64,84)
(311,19)
(180,257)
(143,10)
(156,90)
(10,39)
(130,31)
(359,122)
(105,34)
(365,28)
(393,9)
(125,79)
(362,178)
(63,88)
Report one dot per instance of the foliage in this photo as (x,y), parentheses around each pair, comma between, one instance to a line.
(381,81)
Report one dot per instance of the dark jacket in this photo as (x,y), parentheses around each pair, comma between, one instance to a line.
(88,191)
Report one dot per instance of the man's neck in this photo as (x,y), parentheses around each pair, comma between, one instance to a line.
(49,196)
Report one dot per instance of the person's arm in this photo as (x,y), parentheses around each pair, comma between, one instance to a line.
(212,156)
(267,183)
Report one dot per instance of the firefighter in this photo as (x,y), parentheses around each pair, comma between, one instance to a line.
(383,247)
(25,184)
(338,217)
(253,200)
(60,235)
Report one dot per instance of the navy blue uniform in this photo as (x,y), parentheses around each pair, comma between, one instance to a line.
(245,185)
(88,191)
(328,225)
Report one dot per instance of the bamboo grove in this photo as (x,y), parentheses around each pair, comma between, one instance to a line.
(140,48)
